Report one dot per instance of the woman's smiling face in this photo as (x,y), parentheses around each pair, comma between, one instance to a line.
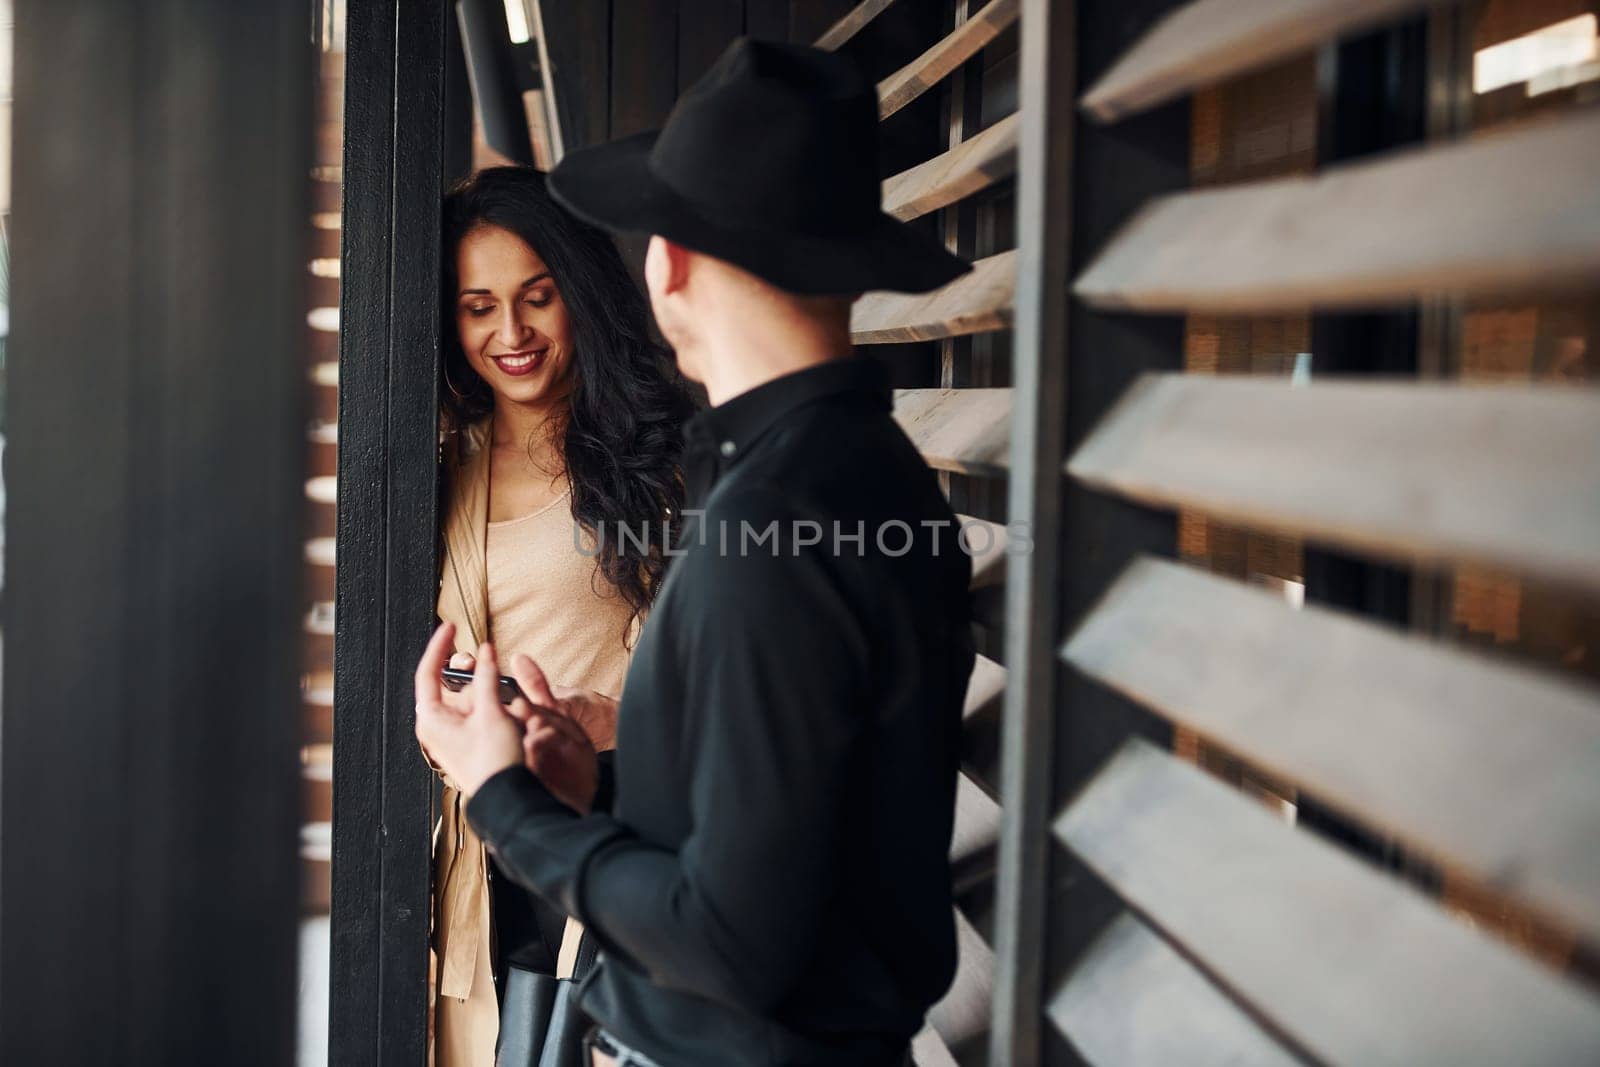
(511,320)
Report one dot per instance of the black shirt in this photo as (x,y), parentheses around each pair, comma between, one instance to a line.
(773,886)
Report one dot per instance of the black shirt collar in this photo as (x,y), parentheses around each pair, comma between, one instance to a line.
(734,425)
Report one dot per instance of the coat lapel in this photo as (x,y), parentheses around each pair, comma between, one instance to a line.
(463,895)
(463,585)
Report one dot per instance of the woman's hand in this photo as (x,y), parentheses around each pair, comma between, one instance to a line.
(470,740)
(595,713)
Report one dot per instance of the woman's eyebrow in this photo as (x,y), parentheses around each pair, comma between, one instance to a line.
(484,292)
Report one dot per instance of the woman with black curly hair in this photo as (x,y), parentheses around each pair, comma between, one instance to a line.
(562,423)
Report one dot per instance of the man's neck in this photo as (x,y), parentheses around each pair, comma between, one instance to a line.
(757,350)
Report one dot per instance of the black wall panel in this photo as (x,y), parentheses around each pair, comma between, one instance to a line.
(149,782)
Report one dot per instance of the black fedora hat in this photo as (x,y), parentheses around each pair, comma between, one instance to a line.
(770,163)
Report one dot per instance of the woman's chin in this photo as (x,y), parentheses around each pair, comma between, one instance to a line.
(537,392)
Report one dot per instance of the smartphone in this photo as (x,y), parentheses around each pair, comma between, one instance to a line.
(456,680)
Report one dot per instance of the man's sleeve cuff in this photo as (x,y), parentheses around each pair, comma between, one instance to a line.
(505,800)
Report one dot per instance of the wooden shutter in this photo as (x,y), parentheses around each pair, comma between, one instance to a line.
(1233,935)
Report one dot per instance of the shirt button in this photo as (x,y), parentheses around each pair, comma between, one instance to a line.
(729,448)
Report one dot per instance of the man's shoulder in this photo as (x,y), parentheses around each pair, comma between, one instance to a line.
(823,447)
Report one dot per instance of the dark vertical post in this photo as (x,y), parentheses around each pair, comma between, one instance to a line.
(1077,183)
(1440,318)
(961,96)
(1372,97)
(810,19)
(767,20)
(644,84)
(575,65)
(1118,169)
(154,476)
(644,65)
(496,79)
(388,412)
(457,106)
(705,29)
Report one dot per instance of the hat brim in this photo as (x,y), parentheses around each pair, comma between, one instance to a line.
(612,186)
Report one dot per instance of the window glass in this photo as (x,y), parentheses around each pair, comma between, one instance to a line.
(1529,60)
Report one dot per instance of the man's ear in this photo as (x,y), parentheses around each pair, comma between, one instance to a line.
(666,266)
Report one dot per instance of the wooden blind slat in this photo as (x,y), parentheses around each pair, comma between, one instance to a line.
(971,166)
(975,834)
(977,825)
(321,552)
(926,71)
(1488,768)
(975,302)
(980,726)
(962,430)
(1504,475)
(963,1013)
(1344,961)
(929,1050)
(1134,1002)
(1210,40)
(987,543)
(854,21)
(985,687)
(317,688)
(1510,211)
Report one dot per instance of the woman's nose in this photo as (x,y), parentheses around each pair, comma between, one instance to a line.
(514,330)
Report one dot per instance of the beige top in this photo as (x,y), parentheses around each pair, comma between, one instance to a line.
(547,599)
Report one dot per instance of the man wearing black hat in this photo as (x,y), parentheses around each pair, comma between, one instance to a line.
(771,884)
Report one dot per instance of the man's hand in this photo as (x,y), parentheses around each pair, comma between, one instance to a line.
(471,740)
(556,746)
(564,727)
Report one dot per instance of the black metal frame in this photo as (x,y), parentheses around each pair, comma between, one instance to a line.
(387,533)
(1077,182)
(155,479)
(967,361)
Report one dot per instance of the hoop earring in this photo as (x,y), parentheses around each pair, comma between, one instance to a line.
(450,385)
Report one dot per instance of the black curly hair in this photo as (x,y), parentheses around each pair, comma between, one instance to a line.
(623,432)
